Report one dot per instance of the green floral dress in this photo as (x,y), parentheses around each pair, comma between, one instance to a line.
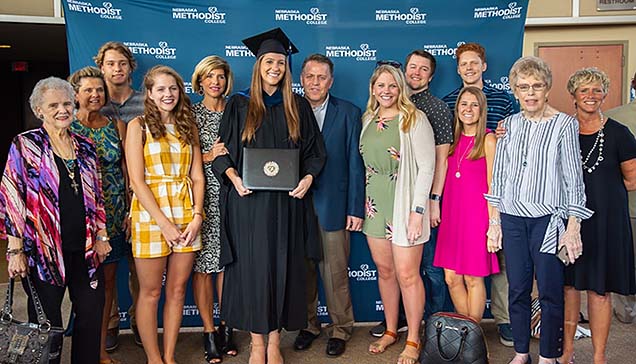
(110,152)
(380,149)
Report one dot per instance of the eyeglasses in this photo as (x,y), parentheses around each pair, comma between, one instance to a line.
(389,62)
(535,87)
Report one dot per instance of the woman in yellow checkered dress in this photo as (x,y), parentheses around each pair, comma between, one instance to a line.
(166,174)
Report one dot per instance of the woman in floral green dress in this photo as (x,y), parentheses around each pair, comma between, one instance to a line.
(107,135)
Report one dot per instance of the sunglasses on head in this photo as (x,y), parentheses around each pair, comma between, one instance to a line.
(389,62)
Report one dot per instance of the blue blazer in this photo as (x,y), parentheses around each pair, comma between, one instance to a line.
(339,189)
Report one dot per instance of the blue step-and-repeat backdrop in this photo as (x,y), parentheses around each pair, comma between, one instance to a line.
(354,34)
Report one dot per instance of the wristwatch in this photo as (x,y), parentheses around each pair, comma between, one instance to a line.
(435,197)
(419,210)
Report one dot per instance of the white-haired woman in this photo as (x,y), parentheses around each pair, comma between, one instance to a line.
(52,211)
(537,183)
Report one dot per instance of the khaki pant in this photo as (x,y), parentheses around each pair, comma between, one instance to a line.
(133,286)
(335,278)
(499,292)
(625,306)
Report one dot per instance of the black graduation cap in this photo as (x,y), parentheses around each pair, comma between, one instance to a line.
(274,40)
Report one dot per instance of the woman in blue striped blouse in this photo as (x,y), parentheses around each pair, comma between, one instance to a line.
(537,183)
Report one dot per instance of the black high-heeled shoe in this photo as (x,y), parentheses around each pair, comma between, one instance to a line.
(211,347)
(226,335)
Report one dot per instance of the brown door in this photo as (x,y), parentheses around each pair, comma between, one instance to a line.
(566,59)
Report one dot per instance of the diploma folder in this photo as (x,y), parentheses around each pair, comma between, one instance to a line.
(270,169)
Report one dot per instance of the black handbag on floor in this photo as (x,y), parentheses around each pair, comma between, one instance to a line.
(26,342)
(453,338)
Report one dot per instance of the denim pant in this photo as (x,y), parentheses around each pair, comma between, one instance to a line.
(437,296)
(522,239)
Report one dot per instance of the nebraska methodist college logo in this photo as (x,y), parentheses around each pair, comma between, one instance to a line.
(312,17)
(211,15)
(412,17)
(442,50)
(237,51)
(503,84)
(105,11)
(363,53)
(364,273)
(512,11)
(163,51)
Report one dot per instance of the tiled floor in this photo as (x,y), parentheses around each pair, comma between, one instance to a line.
(620,346)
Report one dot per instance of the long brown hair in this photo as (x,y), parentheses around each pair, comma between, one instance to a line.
(256,106)
(404,103)
(479,148)
(182,112)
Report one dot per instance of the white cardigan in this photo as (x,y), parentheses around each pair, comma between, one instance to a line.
(415,177)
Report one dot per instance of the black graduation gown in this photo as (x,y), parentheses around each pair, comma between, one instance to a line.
(267,235)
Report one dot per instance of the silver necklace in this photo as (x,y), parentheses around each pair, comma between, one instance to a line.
(460,160)
(530,136)
(600,141)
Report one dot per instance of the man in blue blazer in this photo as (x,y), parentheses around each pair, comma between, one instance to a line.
(338,195)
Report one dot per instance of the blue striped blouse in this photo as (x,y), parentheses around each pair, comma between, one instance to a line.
(538,172)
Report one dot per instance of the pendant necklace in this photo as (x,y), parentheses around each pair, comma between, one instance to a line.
(70,168)
(69,164)
(600,140)
(461,159)
(524,157)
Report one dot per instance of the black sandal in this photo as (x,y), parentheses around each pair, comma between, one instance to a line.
(227,340)
(212,353)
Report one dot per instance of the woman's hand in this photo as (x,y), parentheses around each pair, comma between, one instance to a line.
(572,241)
(500,132)
(435,215)
(18,266)
(126,224)
(217,149)
(171,233)
(102,248)
(414,228)
(238,185)
(495,238)
(192,230)
(302,188)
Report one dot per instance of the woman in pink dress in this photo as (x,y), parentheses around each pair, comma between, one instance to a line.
(462,243)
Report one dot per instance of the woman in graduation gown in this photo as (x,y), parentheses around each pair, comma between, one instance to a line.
(266,235)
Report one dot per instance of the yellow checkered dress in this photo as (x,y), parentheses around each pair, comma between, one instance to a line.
(167,172)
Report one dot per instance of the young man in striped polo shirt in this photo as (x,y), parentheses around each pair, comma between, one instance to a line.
(471,64)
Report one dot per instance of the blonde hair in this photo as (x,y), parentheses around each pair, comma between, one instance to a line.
(87,72)
(116,46)
(256,106)
(184,119)
(586,76)
(207,65)
(404,103)
(479,148)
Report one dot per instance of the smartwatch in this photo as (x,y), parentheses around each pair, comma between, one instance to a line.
(419,210)
(435,197)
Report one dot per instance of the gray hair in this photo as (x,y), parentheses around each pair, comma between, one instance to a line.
(531,66)
(49,83)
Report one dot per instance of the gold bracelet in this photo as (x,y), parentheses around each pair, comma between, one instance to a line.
(197,213)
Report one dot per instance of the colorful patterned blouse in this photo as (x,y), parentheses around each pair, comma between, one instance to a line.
(29,208)
(110,152)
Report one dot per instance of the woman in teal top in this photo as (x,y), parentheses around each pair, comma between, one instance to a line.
(107,135)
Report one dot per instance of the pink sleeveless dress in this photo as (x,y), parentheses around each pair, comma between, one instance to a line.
(461,240)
